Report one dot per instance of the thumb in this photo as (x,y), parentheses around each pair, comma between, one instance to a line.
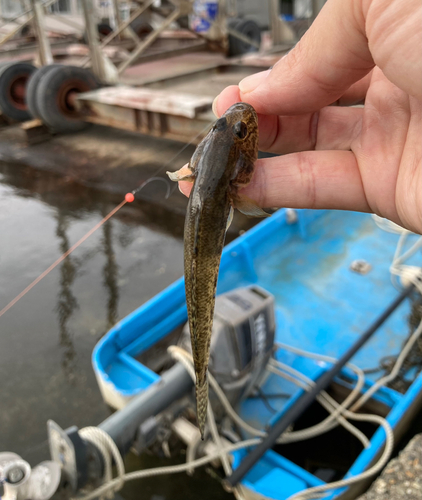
(332,55)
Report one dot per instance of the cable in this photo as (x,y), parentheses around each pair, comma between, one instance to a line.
(310,492)
(186,360)
(389,445)
(171,469)
(335,409)
(184,357)
(107,448)
(394,372)
(62,257)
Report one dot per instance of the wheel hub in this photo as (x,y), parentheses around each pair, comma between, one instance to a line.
(66,97)
(17,91)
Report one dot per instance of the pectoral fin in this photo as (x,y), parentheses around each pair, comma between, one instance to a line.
(187,172)
(249,207)
(183,174)
(230,218)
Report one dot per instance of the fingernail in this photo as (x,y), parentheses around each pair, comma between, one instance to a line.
(214,106)
(250,83)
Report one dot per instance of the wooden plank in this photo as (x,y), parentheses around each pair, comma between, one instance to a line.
(157,101)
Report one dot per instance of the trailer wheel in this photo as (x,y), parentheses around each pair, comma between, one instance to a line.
(13,80)
(141,27)
(56,93)
(31,88)
(248,28)
(104,29)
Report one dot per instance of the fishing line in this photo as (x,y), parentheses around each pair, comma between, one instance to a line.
(62,257)
(154,177)
(129,198)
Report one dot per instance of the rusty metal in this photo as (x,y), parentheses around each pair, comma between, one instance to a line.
(162,108)
(121,27)
(23,23)
(148,41)
(17,91)
(157,101)
(163,125)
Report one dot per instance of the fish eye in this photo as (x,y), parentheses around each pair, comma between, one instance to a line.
(240,129)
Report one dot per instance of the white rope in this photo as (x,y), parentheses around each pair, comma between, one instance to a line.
(187,362)
(337,411)
(389,445)
(107,447)
(315,491)
(171,469)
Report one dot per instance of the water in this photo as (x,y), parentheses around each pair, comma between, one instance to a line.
(47,338)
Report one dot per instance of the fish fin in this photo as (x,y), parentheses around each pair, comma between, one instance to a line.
(249,207)
(183,174)
(188,171)
(230,218)
(201,403)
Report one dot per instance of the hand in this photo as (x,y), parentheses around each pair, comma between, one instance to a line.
(366,159)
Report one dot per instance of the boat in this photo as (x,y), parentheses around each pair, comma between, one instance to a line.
(319,280)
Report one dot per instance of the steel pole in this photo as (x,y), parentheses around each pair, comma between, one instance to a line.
(148,41)
(97,60)
(44,47)
(123,425)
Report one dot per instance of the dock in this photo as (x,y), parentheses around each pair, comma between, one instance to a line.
(402,477)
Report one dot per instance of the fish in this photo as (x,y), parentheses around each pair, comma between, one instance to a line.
(221,165)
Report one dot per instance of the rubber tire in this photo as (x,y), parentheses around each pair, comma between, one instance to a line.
(141,27)
(104,29)
(48,92)
(248,28)
(7,73)
(31,89)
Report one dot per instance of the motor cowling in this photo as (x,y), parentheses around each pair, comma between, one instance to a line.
(242,339)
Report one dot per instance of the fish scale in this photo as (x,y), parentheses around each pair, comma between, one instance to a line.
(221,164)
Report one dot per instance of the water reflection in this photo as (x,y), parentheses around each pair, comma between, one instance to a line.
(110,274)
(47,339)
(67,302)
(50,334)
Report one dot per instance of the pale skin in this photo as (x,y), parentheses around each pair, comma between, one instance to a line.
(366,158)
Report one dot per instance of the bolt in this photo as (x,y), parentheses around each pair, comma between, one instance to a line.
(360,266)
(15,475)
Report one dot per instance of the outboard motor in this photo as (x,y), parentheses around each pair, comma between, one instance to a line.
(242,343)
(242,340)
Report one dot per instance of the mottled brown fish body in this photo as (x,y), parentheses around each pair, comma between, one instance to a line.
(222,163)
(205,225)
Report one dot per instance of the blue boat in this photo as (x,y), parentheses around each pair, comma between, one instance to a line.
(328,275)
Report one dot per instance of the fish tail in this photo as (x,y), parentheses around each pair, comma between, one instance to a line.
(201,403)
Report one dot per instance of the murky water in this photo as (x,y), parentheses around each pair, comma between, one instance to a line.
(46,339)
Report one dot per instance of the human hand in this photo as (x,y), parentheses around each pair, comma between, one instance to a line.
(366,159)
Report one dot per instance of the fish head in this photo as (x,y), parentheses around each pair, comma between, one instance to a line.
(240,123)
